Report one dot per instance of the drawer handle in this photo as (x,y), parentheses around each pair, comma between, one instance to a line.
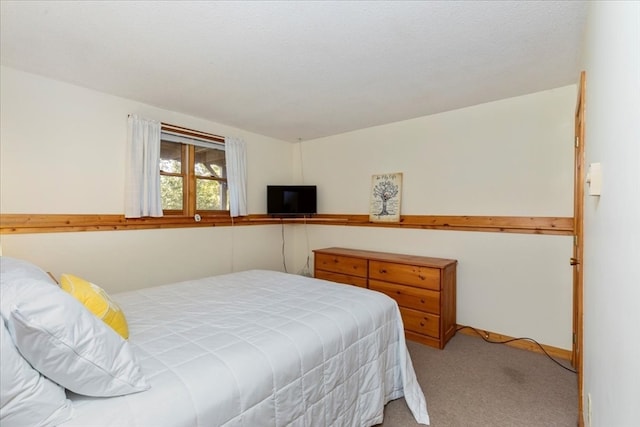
(335,260)
(421,299)
(398,292)
(421,277)
(382,270)
(421,323)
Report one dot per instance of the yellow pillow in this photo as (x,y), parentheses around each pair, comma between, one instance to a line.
(96,300)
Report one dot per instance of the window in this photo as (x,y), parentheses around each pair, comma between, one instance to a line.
(193,172)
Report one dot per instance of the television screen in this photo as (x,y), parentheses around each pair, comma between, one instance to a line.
(291,200)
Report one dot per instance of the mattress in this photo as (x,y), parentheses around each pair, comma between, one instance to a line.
(260,348)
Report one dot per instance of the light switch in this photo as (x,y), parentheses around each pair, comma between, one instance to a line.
(594,179)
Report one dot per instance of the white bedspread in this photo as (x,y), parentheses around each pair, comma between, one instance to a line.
(260,348)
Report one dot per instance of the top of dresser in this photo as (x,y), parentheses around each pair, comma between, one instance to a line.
(389,257)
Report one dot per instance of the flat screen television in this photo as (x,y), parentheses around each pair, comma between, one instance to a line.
(291,200)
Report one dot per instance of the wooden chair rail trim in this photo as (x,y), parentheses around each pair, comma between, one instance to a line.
(56,223)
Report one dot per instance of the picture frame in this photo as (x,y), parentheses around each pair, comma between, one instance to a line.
(384,197)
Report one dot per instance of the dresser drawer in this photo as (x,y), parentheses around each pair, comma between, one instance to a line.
(423,287)
(420,322)
(408,296)
(341,264)
(413,275)
(341,278)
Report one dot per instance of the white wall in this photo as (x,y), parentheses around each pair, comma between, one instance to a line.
(63,147)
(62,151)
(132,259)
(512,157)
(612,226)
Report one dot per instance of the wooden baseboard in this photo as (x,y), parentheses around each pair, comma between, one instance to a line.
(521,344)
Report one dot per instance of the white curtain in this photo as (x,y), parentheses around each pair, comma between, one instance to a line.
(142,174)
(236,156)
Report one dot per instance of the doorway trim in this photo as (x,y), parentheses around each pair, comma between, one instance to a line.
(578,241)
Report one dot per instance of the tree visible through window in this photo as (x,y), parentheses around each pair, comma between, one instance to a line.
(193,175)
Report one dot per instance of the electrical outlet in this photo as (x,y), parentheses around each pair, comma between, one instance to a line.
(588,409)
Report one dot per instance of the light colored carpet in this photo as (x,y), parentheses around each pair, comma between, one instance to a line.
(474,383)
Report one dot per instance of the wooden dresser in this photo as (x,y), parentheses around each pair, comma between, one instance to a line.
(423,287)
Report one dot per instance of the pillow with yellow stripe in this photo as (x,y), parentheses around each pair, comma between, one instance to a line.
(96,300)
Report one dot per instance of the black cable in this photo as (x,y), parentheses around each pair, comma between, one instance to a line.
(516,339)
(284,263)
(306,270)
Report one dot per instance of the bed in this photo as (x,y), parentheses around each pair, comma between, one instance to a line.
(258,348)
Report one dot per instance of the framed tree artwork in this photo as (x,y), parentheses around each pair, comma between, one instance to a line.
(384,205)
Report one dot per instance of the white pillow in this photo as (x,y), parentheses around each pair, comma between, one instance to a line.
(13,272)
(27,398)
(13,268)
(59,337)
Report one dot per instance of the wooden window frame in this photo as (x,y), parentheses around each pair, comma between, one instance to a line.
(188,175)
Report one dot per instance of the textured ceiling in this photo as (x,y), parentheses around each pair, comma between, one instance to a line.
(299,69)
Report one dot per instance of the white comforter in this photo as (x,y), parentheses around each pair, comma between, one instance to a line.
(260,348)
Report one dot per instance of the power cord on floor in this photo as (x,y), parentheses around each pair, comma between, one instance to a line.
(485,335)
